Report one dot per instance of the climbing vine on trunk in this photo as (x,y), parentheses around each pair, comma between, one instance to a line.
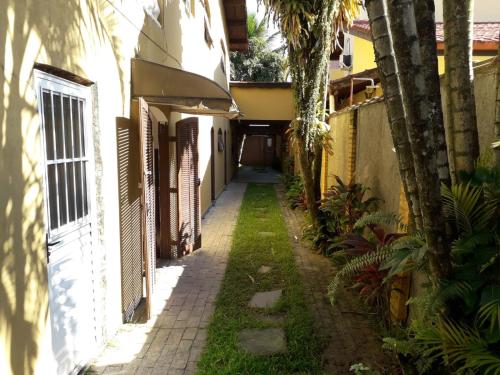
(309,28)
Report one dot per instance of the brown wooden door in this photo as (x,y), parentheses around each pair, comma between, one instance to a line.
(188,185)
(148,200)
(212,164)
(225,157)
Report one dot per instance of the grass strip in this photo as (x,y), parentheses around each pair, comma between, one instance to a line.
(260,212)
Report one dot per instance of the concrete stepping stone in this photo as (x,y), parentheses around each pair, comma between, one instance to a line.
(265,341)
(267,234)
(264,300)
(264,269)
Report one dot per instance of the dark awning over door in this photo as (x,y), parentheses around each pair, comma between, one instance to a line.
(183,91)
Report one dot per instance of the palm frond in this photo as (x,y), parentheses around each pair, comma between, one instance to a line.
(379,218)
(490,313)
(398,346)
(354,266)
(463,204)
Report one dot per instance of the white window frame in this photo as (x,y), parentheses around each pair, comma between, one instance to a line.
(45,81)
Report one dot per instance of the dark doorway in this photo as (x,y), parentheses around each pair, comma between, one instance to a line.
(212,164)
(225,157)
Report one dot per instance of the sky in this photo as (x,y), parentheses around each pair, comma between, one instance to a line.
(260,10)
(252,8)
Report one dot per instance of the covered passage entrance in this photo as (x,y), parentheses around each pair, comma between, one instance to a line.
(260,135)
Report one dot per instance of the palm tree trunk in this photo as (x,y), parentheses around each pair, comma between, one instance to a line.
(308,178)
(308,79)
(418,109)
(386,63)
(463,139)
(426,29)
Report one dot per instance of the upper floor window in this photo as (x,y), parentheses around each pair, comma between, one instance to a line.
(224,57)
(208,37)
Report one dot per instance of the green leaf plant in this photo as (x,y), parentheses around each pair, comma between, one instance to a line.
(456,324)
(342,206)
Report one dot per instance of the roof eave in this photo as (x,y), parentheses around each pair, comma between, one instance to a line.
(236,20)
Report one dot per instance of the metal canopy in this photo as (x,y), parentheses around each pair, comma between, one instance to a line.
(182,91)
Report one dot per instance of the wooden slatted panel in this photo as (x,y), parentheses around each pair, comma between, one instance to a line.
(148,201)
(212,164)
(188,185)
(173,199)
(169,210)
(130,218)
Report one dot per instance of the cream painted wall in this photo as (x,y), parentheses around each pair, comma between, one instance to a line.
(484,10)
(259,103)
(94,39)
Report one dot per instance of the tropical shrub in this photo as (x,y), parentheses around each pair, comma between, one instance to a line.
(457,327)
(339,210)
(364,255)
(295,194)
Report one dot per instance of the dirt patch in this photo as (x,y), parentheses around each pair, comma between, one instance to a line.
(349,333)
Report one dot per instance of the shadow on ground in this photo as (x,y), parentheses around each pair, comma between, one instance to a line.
(257,175)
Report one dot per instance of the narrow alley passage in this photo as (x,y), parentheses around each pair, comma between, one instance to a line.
(172,340)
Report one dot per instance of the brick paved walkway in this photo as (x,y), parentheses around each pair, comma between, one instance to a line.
(171,342)
(350,336)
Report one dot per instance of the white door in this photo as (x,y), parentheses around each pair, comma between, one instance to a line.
(64,113)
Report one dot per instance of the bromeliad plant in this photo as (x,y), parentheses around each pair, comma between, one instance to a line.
(342,206)
(364,255)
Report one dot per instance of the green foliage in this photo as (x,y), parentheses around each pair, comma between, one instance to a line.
(380,218)
(343,205)
(365,254)
(355,266)
(295,194)
(260,63)
(458,319)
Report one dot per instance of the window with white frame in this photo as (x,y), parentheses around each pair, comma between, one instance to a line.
(63,108)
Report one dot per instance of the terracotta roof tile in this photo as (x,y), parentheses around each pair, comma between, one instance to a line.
(483,31)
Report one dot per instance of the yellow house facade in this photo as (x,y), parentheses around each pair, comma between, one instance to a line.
(80,141)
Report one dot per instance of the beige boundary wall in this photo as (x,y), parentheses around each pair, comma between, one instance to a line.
(361,133)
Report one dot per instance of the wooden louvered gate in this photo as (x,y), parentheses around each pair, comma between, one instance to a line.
(188,186)
(169,203)
(148,200)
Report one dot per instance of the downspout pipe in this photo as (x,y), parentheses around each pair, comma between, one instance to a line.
(352,85)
